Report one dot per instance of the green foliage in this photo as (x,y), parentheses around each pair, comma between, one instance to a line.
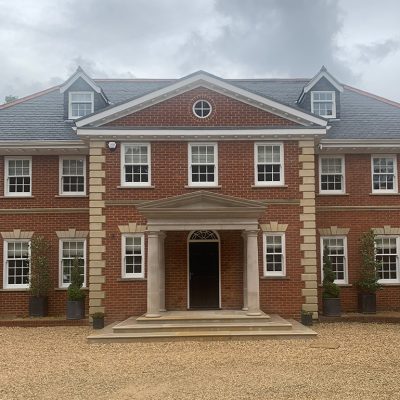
(39,281)
(75,291)
(10,98)
(330,289)
(97,315)
(368,282)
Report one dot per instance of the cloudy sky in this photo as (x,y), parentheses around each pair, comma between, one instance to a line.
(43,41)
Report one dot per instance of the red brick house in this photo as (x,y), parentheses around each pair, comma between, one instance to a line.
(199,193)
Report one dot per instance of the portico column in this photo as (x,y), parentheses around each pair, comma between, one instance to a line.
(153,274)
(162,270)
(253,286)
(245,308)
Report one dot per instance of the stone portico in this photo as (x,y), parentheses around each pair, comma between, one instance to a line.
(201,211)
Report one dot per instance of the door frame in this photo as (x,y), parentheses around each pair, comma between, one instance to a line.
(188,241)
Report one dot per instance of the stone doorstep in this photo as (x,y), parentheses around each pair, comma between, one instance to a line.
(112,333)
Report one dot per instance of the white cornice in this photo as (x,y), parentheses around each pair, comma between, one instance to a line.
(42,147)
(327,146)
(327,76)
(201,134)
(75,77)
(210,82)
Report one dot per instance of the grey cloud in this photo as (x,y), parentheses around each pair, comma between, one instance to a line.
(377,51)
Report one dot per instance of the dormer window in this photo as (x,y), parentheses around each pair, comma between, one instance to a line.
(80,104)
(323,104)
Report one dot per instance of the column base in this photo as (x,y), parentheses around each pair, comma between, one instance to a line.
(245,308)
(163,310)
(152,315)
(253,313)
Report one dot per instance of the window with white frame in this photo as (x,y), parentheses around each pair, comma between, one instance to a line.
(72,175)
(384,174)
(203,164)
(387,253)
(274,254)
(133,256)
(135,162)
(323,103)
(18,176)
(80,104)
(16,264)
(70,250)
(331,174)
(268,164)
(337,252)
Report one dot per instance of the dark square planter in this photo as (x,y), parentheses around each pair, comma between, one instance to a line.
(306,319)
(38,306)
(367,303)
(75,309)
(98,323)
(331,307)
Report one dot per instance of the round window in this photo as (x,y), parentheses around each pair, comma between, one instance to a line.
(202,108)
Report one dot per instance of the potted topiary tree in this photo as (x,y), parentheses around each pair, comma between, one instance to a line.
(75,294)
(331,291)
(39,280)
(306,318)
(368,283)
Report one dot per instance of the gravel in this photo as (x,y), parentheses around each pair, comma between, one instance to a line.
(345,361)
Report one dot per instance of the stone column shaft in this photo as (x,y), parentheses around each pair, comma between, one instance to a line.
(162,271)
(245,308)
(253,284)
(153,275)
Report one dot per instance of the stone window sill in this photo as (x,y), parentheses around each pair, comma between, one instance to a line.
(340,285)
(131,279)
(202,187)
(269,186)
(384,194)
(333,194)
(64,289)
(390,284)
(17,197)
(274,278)
(14,290)
(136,187)
(68,196)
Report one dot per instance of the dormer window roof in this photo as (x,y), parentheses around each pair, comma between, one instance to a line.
(323,103)
(80,104)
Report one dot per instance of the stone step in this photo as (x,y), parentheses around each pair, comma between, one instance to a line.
(133,326)
(194,317)
(108,335)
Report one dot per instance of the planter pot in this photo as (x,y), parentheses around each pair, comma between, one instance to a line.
(98,323)
(75,309)
(331,307)
(306,319)
(367,303)
(38,306)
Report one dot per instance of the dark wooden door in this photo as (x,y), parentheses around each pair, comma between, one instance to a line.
(203,275)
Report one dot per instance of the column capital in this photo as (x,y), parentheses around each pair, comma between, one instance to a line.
(154,234)
(250,233)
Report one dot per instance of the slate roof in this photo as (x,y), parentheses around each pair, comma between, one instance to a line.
(40,117)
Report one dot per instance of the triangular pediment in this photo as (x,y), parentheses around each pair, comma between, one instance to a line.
(201,203)
(201,80)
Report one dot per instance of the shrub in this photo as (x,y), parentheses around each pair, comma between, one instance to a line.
(39,281)
(368,282)
(75,291)
(97,315)
(330,289)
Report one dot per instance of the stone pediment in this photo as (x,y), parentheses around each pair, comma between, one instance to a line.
(201,204)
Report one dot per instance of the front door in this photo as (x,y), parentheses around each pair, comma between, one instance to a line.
(203,275)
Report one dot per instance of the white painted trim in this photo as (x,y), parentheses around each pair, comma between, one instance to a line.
(75,77)
(5,269)
(70,116)
(274,273)
(383,281)
(203,184)
(281,182)
(326,75)
(346,143)
(200,134)
(122,165)
(198,116)
(192,82)
(60,175)
(7,193)
(321,101)
(188,241)
(342,158)
(346,271)
(123,254)
(395,177)
(60,257)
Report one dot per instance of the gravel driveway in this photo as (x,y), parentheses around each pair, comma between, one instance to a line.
(363,362)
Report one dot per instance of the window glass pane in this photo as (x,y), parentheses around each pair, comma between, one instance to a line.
(387,255)
(70,250)
(133,258)
(202,163)
(136,164)
(274,254)
(336,253)
(17,263)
